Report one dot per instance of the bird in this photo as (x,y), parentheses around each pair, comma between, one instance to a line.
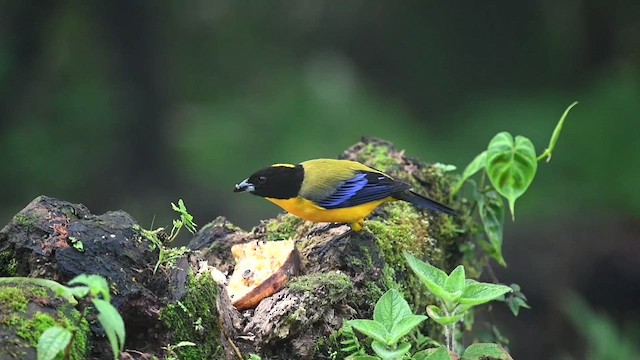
(331,190)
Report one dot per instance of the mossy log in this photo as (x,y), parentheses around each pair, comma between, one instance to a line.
(343,273)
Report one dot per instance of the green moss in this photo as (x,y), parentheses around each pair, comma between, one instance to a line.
(335,284)
(401,229)
(377,157)
(8,264)
(26,221)
(283,228)
(31,329)
(14,303)
(13,299)
(197,307)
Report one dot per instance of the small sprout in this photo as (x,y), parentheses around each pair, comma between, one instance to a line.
(77,244)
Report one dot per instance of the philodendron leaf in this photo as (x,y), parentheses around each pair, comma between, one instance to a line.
(491,208)
(441,318)
(482,351)
(434,278)
(403,327)
(455,281)
(52,341)
(476,293)
(474,166)
(390,309)
(439,353)
(112,324)
(390,353)
(511,166)
(372,329)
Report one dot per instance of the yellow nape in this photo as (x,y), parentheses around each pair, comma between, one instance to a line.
(307,210)
(283,165)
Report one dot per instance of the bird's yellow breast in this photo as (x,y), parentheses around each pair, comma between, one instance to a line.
(307,210)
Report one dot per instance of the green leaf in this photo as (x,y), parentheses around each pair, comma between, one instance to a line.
(112,324)
(511,166)
(439,353)
(403,327)
(556,134)
(52,341)
(98,286)
(441,318)
(362,357)
(434,278)
(390,309)
(185,218)
(372,329)
(58,288)
(516,300)
(386,353)
(482,351)
(491,208)
(455,281)
(477,293)
(477,164)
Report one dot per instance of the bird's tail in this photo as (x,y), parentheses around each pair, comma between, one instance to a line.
(424,202)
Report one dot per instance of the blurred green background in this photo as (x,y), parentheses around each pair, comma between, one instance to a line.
(131,105)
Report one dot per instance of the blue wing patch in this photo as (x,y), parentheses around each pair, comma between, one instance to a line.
(363,188)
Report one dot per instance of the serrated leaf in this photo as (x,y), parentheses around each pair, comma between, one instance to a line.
(98,286)
(477,293)
(511,166)
(437,315)
(362,357)
(430,275)
(52,341)
(491,208)
(372,329)
(455,281)
(477,164)
(403,327)
(390,309)
(385,353)
(439,353)
(483,351)
(112,324)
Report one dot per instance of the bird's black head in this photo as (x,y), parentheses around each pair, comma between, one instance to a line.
(279,181)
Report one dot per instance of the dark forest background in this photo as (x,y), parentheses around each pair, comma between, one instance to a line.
(131,105)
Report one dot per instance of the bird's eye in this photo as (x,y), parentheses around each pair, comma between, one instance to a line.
(262,179)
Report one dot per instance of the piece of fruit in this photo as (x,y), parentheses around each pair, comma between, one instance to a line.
(262,269)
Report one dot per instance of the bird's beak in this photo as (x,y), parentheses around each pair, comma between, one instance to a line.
(245,185)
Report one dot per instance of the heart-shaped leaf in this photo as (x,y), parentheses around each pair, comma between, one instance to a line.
(511,166)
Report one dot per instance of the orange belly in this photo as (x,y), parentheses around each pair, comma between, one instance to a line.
(307,210)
